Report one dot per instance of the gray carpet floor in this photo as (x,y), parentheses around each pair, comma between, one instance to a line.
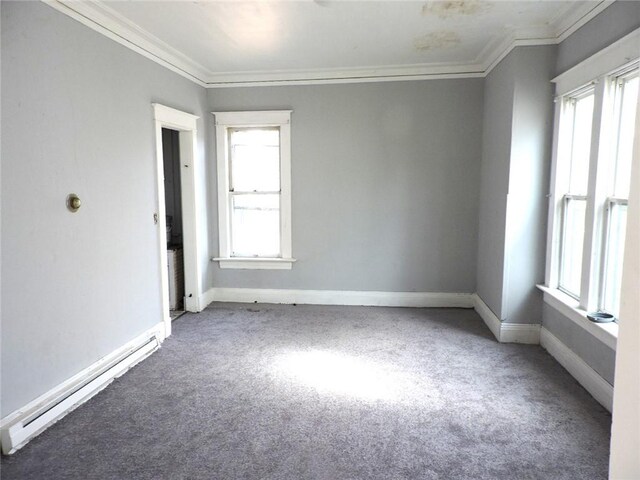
(320,392)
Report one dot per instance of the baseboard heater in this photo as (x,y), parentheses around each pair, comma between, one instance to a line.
(25,424)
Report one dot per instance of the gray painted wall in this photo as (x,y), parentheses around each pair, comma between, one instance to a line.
(76,117)
(499,88)
(384,185)
(616,21)
(527,204)
(516,149)
(595,353)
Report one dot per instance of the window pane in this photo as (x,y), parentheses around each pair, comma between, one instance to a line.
(614,258)
(255,159)
(581,145)
(626,131)
(255,225)
(572,242)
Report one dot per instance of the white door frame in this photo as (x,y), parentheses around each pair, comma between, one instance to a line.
(185,124)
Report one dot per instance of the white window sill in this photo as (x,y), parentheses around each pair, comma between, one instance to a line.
(250,263)
(570,308)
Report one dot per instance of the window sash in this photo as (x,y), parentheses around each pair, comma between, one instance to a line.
(238,252)
(608,278)
(621,93)
(565,282)
(230,154)
(576,142)
(615,187)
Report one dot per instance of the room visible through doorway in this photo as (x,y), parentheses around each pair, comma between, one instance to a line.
(173,211)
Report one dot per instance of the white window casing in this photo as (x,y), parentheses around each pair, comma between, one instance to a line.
(224,123)
(612,58)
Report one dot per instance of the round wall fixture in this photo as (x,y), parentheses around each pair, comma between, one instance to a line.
(73,202)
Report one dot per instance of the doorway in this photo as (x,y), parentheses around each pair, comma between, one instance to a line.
(177,214)
(173,220)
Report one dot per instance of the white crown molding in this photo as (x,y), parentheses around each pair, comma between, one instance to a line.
(565,23)
(354,75)
(498,54)
(101,18)
(104,20)
(346,80)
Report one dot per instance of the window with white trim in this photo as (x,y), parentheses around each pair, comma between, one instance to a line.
(254,189)
(573,158)
(590,187)
(624,91)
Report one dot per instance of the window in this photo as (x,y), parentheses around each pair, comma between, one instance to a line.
(625,100)
(254,189)
(577,116)
(590,189)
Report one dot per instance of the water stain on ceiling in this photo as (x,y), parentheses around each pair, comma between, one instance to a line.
(436,40)
(455,7)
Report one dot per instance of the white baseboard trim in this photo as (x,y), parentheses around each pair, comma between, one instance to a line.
(206,298)
(597,386)
(489,318)
(528,333)
(503,331)
(338,297)
(17,428)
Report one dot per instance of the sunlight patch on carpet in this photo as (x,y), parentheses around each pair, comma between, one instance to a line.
(335,373)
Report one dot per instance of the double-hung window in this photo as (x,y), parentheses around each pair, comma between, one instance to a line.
(595,128)
(254,189)
(624,94)
(573,156)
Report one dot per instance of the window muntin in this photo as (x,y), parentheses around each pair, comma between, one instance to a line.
(576,148)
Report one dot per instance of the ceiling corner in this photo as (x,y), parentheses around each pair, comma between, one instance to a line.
(99,17)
